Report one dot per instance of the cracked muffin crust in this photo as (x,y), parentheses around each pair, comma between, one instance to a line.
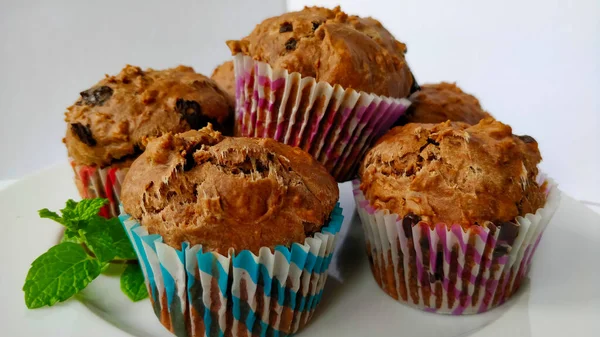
(453,173)
(224,75)
(333,47)
(111,121)
(242,193)
(440,102)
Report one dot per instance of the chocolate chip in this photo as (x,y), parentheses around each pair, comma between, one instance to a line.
(192,113)
(439,265)
(290,44)
(508,232)
(96,96)
(415,86)
(408,221)
(286,27)
(501,250)
(315,25)
(83,133)
(189,157)
(527,139)
(424,243)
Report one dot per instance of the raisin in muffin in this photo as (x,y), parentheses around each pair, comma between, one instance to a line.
(230,222)
(459,192)
(221,192)
(440,102)
(224,75)
(110,123)
(332,47)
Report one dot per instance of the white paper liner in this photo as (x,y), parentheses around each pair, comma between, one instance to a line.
(202,293)
(93,182)
(478,271)
(335,125)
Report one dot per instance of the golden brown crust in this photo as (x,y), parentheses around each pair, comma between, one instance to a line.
(333,47)
(440,102)
(112,120)
(224,75)
(221,192)
(454,173)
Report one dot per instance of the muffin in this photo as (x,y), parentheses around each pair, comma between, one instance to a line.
(109,125)
(453,213)
(322,80)
(224,75)
(234,234)
(440,102)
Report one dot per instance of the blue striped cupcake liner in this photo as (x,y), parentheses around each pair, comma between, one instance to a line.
(202,293)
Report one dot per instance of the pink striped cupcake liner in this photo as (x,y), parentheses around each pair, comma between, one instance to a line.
(335,125)
(93,182)
(445,268)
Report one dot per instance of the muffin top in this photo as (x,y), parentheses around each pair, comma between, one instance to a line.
(440,102)
(111,121)
(454,173)
(224,75)
(242,193)
(333,47)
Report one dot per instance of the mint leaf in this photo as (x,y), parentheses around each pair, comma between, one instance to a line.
(70,236)
(76,214)
(86,209)
(47,214)
(133,283)
(98,239)
(58,274)
(121,243)
(107,239)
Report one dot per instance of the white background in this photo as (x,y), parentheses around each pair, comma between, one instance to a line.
(533,64)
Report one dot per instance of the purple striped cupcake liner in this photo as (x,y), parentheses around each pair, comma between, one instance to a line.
(446,269)
(335,125)
(94,182)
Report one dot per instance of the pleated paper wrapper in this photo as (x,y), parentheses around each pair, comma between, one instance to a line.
(196,293)
(93,182)
(446,269)
(335,125)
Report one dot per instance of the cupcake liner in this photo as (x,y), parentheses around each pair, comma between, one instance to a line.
(333,124)
(202,293)
(93,182)
(447,269)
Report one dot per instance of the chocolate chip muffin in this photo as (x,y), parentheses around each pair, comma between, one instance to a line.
(224,75)
(202,188)
(454,173)
(323,81)
(458,192)
(230,222)
(332,47)
(110,123)
(440,102)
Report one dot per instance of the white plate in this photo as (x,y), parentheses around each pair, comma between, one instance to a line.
(562,297)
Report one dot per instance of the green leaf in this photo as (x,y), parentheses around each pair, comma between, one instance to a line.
(58,274)
(47,214)
(121,243)
(70,236)
(107,239)
(86,209)
(98,239)
(76,214)
(133,284)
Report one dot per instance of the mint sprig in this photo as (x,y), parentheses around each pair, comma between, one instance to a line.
(58,274)
(89,245)
(133,284)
